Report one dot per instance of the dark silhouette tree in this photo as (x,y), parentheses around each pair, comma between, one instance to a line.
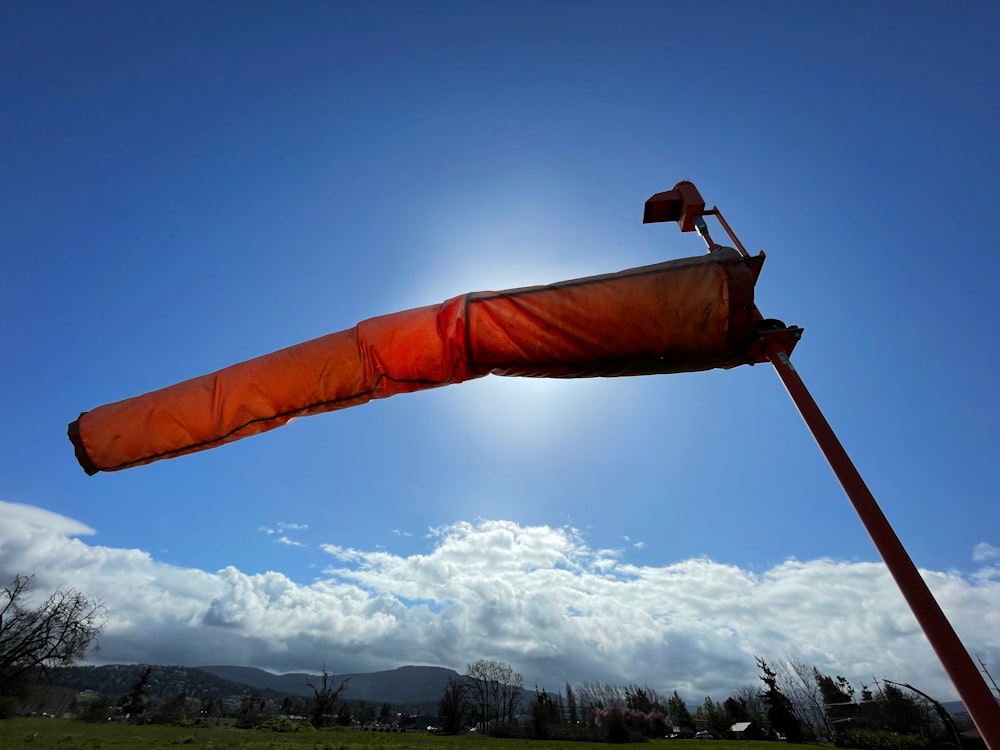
(495,690)
(173,710)
(866,694)
(947,728)
(325,696)
(248,715)
(33,640)
(544,714)
(735,711)
(211,709)
(678,711)
(571,705)
(134,705)
(97,710)
(344,715)
(454,706)
(838,701)
(714,717)
(780,711)
(904,713)
(611,721)
(835,690)
(643,698)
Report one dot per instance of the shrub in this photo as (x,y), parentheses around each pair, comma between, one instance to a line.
(283,725)
(878,739)
(613,723)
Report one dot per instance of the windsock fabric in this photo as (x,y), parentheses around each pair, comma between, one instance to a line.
(678,316)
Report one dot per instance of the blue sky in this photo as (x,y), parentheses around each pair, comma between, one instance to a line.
(188,185)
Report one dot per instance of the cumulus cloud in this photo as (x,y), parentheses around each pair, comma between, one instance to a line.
(538,597)
(984,552)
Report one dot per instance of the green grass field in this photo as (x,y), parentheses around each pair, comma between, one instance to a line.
(62,734)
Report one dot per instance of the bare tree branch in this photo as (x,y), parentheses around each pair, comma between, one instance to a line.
(56,633)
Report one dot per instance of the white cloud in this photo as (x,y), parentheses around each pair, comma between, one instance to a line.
(984,552)
(537,597)
(281,528)
(32,517)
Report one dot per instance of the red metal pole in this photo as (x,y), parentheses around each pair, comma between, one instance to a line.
(971,686)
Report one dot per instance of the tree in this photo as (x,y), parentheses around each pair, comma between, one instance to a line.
(752,701)
(174,709)
(835,690)
(780,711)
(644,699)
(495,690)
(904,713)
(511,685)
(248,714)
(866,694)
(134,705)
(714,717)
(947,727)
(57,633)
(325,697)
(454,707)
(678,711)
(544,714)
(571,704)
(838,701)
(211,709)
(591,697)
(735,711)
(344,716)
(611,720)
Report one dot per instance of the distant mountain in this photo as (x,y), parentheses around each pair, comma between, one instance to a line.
(402,686)
(416,688)
(117,680)
(954,707)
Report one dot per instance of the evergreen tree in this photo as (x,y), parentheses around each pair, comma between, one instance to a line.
(571,704)
(780,711)
(838,700)
(543,714)
(679,713)
(134,705)
(904,713)
(735,711)
(713,716)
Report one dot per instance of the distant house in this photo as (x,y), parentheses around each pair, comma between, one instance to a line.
(745,730)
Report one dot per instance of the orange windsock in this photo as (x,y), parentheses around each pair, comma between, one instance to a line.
(678,316)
